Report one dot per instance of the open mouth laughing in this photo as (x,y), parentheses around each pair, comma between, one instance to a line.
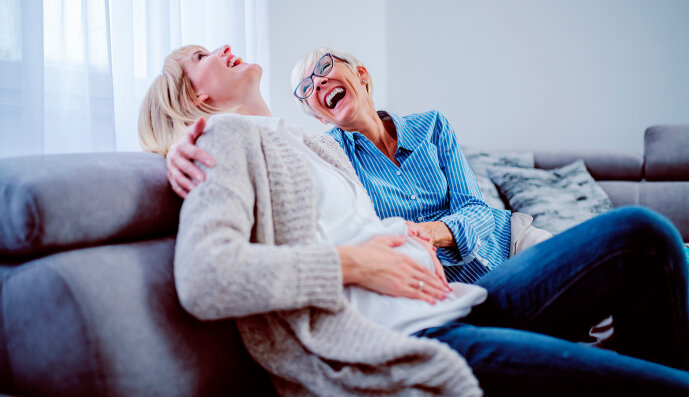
(334,97)
(233,61)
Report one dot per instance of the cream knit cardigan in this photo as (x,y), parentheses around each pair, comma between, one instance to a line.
(247,248)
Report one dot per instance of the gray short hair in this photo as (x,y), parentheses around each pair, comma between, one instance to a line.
(304,65)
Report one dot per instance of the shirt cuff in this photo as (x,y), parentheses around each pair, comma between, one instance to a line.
(468,244)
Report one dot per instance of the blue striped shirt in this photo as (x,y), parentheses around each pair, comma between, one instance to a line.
(433,183)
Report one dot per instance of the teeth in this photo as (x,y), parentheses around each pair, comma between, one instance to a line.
(233,60)
(329,98)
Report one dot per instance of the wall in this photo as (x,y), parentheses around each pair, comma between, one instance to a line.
(298,27)
(542,74)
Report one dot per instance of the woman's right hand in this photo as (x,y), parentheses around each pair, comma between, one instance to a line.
(182,174)
(374,265)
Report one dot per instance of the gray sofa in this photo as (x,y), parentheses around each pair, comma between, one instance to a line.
(88,304)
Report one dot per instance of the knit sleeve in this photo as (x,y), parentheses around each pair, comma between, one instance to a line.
(218,271)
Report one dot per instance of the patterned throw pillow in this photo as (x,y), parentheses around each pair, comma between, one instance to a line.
(481,161)
(490,192)
(557,199)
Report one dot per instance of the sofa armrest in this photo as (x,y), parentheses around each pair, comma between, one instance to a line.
(666,152)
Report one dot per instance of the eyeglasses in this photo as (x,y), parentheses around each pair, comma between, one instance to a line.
(323,68)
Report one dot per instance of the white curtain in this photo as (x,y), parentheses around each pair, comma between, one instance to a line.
(73,72)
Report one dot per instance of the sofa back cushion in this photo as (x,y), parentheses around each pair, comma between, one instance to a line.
(666,149)
(54,202)
(669,198)
(107,321)
(602,165)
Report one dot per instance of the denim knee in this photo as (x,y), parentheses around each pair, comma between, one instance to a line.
(647,222)
(646,229)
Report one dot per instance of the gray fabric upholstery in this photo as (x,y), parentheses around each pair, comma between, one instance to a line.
(106,320)
(62,201)
(621,193)
(669,198)
(601,165)
(666,149)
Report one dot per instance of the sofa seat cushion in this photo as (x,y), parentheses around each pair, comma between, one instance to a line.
(56,202)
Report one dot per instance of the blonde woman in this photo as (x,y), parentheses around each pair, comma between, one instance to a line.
(331,300)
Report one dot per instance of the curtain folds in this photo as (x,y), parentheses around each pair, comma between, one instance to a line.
(73,72)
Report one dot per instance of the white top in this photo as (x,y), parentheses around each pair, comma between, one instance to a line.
(346,217)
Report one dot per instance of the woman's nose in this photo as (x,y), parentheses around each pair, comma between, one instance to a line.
(224,50)
(320,81)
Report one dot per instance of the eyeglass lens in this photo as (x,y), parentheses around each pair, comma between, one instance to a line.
(322,68)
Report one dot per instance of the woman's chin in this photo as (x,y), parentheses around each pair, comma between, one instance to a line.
(341,113)
(256,67)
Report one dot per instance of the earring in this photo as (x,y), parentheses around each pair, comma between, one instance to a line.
(363,81)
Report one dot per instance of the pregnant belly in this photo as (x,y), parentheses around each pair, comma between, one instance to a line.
(410,315)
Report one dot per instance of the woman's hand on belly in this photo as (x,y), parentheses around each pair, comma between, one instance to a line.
(439,271)
(374,265)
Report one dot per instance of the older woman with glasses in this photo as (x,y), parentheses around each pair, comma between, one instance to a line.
(282,237)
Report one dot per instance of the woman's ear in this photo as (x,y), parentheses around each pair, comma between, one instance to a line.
(202,97)
(363,75)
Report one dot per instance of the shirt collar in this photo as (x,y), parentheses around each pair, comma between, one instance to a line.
(406,136)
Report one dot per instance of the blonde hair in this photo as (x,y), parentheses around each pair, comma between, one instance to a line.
(301,67)
(170,105)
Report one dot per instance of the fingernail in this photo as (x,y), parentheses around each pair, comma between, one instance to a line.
(210,163)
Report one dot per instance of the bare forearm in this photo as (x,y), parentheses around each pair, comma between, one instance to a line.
(442,236)
(350,270)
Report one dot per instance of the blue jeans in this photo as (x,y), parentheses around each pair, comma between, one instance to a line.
(629,263)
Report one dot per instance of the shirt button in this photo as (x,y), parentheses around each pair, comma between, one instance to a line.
(419,218)
(413,197)
(399,172)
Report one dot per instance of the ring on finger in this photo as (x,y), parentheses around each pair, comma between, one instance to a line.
(420,286)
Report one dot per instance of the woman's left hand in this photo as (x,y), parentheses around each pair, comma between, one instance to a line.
(439,270)
(437,233)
